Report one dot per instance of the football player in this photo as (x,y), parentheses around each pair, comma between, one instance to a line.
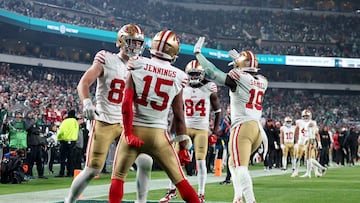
(311,144)
(199,96)
(153,86)
(109,70)
(305,144)
(247,89)
(287,137)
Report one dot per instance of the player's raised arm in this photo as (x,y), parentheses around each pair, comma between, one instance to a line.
(210,69)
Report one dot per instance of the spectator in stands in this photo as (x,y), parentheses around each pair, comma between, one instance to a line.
(311,28)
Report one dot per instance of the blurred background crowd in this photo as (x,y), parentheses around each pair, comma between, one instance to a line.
(309,28)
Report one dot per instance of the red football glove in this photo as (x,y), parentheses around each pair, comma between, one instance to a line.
(128,114)
(184,157)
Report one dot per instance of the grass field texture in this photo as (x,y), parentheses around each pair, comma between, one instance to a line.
(338,185)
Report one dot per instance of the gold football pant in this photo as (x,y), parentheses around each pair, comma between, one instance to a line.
(244,140)
(101,137)
(200,141)
(157,145)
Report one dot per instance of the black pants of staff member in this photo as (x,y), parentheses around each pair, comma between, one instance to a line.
(66,158)
(78,157)
(278,158)
(35,155)
(324,156)
(353,149)
(340,157)
(270,159)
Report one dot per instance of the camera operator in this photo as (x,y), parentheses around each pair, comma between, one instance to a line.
(36,147)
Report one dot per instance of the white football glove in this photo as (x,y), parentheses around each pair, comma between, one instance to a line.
(282,146)
(182,138)
(276,145)
(233,54)
(319,145)
(199,44)
(89,109)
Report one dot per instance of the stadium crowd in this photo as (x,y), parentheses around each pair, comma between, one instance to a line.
(264,30)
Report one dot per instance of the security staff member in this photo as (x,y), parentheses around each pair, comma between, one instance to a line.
(67,136)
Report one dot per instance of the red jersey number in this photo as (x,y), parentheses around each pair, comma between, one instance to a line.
(190,108)
(159,82)
(255,100)
(116,91)
(289,135)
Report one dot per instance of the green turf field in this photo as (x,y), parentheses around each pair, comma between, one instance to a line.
(338,185)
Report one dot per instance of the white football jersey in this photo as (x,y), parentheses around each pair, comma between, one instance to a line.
(303,130)
(110,87)
(157,82)
(246,100)
(312,129)
(197,105)
(288,133)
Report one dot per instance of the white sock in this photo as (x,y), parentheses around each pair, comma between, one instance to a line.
(202,176)
(80,182)
(317,164)
(297,164)
(172,186)
(143,174)
(284,162)
(308,167)
(293,160)
(246,184)
(236,183)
